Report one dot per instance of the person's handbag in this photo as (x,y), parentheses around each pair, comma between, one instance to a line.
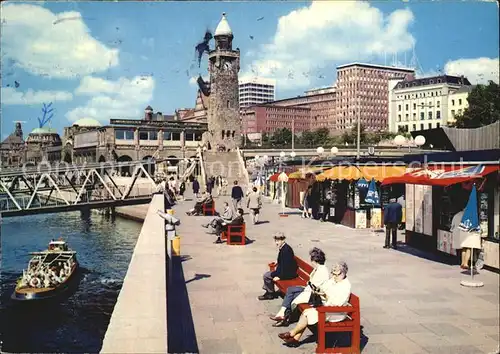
(315,300)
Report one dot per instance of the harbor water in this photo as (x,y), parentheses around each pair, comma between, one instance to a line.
(77,322)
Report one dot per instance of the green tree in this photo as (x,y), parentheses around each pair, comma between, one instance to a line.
(313,139)
(351,137)
(281,138)
(484,107)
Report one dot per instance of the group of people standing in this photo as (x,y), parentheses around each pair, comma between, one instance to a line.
(40,275)
(324,288)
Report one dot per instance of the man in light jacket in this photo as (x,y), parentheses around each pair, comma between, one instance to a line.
(226,216)
(254,203)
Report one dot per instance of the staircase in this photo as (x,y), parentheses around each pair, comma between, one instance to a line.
(226,164)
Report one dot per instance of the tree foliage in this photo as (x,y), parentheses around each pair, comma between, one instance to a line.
(484,107)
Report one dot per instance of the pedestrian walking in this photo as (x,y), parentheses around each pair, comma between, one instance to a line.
(393,213)
(236,196)
(254,203)
(196,188)
(182,188)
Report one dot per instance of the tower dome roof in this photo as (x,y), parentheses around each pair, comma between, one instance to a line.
(87,122)
(223,28)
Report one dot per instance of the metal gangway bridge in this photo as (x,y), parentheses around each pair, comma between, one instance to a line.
(63,187)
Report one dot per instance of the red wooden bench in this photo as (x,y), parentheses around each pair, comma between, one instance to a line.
(234,234)
(208,209)
(351,324)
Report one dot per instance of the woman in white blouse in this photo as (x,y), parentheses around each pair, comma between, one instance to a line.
(334,292)
(299,294)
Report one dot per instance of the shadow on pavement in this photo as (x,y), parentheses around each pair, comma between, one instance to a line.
(404,248)
(336,339)
(198,277)
(180,326)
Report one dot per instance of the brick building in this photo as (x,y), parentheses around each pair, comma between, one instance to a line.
(316,109)
(267,118)
(362,89)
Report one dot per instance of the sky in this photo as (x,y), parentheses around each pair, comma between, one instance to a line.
(108,60)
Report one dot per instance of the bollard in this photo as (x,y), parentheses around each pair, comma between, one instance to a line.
(176,246)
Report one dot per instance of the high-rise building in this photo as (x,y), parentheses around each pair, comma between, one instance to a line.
(362,91)
(424,103)
(256,90)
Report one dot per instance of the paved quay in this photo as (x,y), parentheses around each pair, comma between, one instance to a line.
(409,304)
(139,320)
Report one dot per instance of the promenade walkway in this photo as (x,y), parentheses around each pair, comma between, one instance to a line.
(409,304)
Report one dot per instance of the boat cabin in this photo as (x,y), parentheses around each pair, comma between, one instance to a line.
(58,245)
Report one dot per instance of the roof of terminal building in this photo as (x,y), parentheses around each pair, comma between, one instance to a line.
(433,80)
(376,66)
(465,89)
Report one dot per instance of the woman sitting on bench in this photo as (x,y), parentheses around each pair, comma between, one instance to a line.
(221,225)
(198,207)
(299,294)
(334,292)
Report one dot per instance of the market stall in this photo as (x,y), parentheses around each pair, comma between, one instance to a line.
(342,194)
(438,192)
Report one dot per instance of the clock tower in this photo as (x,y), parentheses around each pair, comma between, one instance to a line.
(224,124)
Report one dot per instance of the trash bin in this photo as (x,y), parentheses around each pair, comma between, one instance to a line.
(176,246)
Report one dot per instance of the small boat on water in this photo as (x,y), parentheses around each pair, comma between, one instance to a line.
(49,273)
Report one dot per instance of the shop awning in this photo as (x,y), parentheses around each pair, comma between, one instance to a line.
(303,172)
(379,173)
(274,178)
(443,175)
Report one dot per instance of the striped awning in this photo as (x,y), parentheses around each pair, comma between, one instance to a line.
(379,172)
(305,171)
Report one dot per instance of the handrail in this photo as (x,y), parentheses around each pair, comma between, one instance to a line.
(203,172)
(243,168)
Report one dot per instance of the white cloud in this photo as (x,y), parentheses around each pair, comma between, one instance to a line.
(55,45)
(327,32)
(477,70)
(123,98)
(11,96)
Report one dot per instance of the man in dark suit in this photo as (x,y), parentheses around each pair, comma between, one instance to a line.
(286,267)
(393,214)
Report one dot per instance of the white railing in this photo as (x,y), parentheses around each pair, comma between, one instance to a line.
(243,167)
(203,172)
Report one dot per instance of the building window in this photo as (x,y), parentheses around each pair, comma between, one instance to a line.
(421,127)
(414,106)
(422,115)
(406,107)
(407,117)
(414,116)
(438,114)
(124,134)
(452,102)
(430,115)
(188,136)
(399,117)
(414,127)
(452,113)
(459,101)
(167,136)
(148,135)
(176,136)
(399,107)
(430,125)
(438,125)
(438,104)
